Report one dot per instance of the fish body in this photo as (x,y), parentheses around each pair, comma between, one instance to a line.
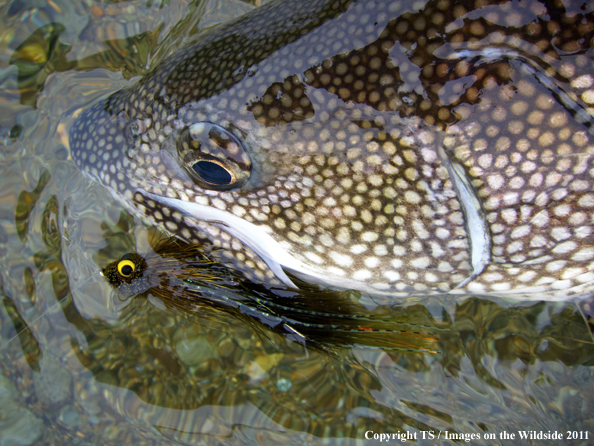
(437,148)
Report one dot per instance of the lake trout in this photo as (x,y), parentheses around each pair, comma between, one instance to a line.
(390,147)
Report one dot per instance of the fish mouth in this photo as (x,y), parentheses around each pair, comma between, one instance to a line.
(252,236)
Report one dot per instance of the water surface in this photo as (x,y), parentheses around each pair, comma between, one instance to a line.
(79,366)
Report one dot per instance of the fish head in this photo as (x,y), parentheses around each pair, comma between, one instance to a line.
(365,146)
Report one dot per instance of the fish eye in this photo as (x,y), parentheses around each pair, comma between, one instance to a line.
(213,156)
(213,173)
(126,268)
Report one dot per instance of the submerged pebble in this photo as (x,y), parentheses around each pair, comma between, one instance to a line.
(195,351)
(52,384)
(18,426)
(70,417)
(283,384)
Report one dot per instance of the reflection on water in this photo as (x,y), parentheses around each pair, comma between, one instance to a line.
(204,374)
(204,358)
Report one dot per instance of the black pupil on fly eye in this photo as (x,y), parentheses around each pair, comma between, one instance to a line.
(212,173)
(127,270)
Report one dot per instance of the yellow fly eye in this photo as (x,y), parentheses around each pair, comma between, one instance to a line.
(126,268)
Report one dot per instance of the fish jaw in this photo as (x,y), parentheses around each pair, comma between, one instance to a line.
(269,250)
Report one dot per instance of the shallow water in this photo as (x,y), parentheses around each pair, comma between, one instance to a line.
(82,367)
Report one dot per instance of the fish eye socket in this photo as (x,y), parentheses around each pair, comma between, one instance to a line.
(126,268)
(213,156)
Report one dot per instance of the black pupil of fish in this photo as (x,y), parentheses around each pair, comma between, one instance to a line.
(212,173)
(127,270)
